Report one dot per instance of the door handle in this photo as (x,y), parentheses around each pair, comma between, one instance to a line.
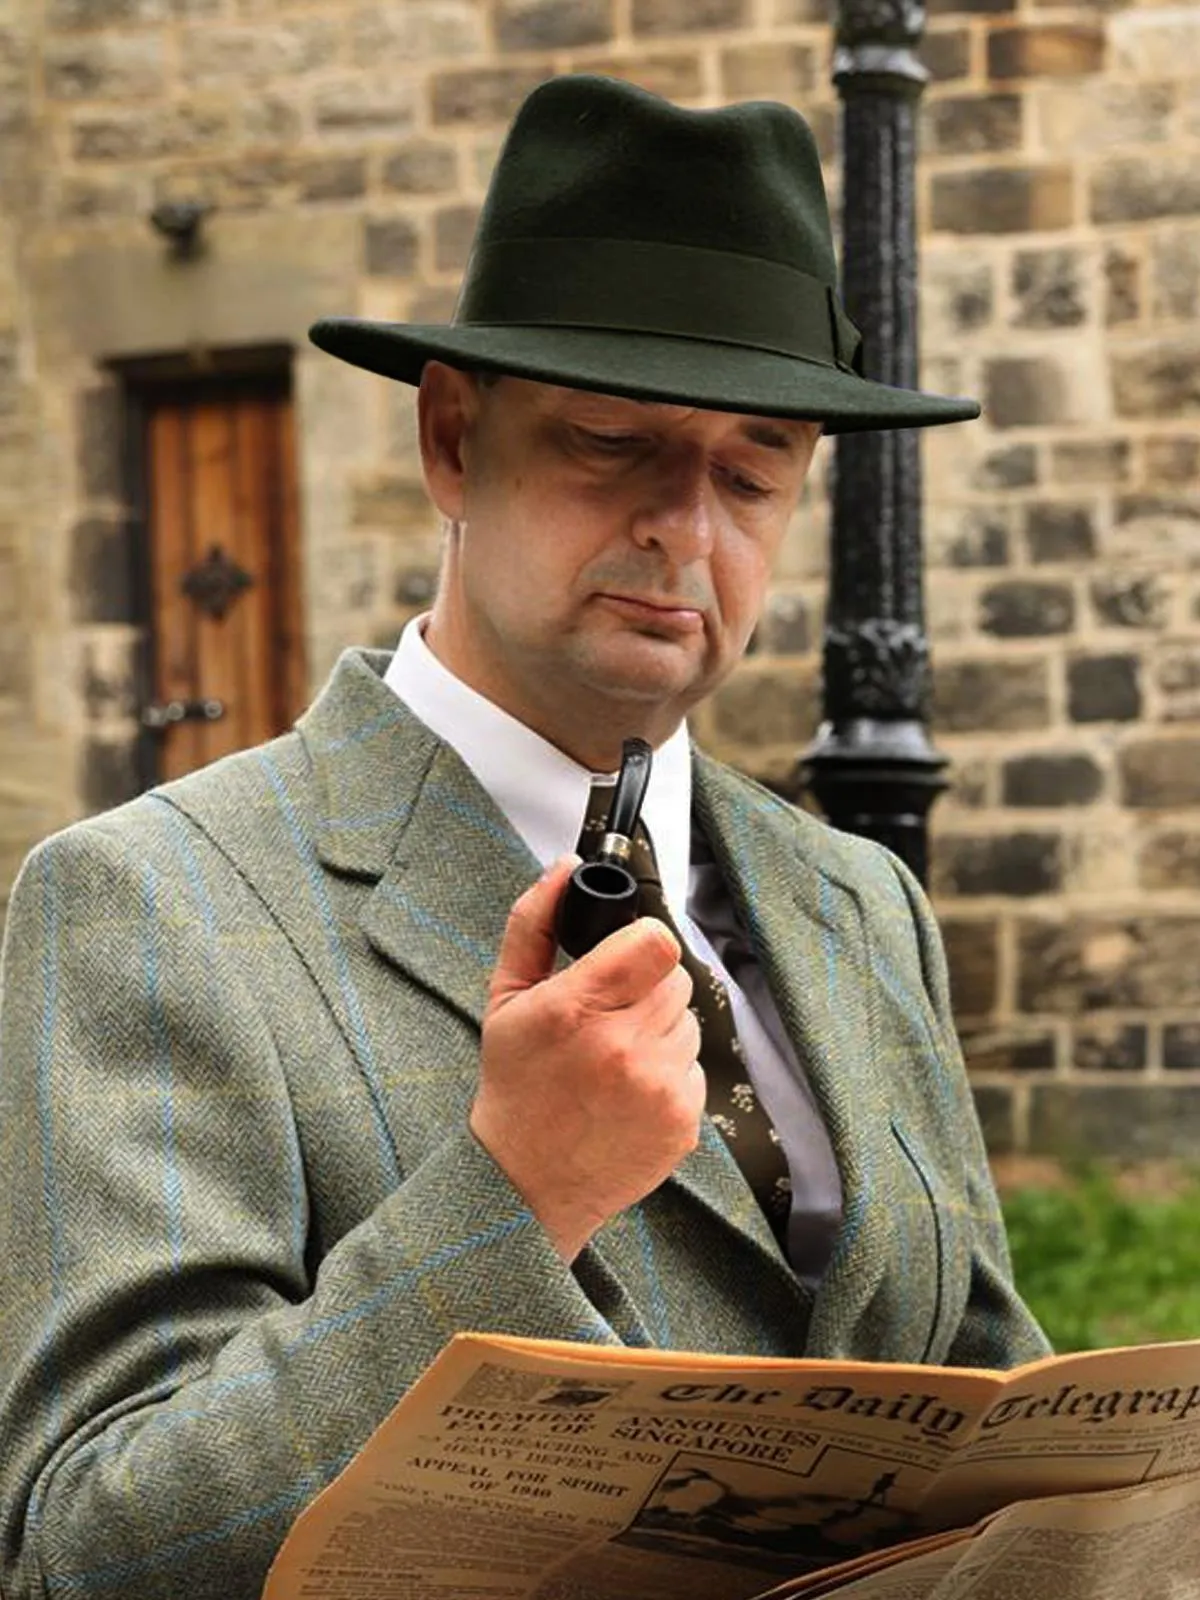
(161,716)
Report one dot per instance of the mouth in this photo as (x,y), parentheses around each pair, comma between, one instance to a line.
(680,616)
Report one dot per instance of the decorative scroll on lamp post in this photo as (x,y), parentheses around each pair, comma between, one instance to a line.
(872,766)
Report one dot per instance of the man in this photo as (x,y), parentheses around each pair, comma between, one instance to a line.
(294,1083)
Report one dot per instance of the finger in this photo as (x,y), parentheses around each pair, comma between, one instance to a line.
(666,1003)
(681,1042)
(529,945)
(624,968)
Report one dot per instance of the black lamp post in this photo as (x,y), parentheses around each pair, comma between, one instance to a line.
(872,766)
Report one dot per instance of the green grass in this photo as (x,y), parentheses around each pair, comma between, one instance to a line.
(1099,1267)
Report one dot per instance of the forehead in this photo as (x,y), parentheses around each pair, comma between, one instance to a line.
(618,411)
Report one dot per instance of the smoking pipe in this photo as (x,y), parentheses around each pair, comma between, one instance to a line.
(602,894)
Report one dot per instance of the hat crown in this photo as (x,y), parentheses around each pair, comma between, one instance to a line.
(595,158)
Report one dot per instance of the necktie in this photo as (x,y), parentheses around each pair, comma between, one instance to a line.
(732,1103)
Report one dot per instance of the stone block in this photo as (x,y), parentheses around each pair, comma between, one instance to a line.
(552,24)
(184,129)
(1110,1047)
(1127,1122)
(972,124)
(453,235)
(1170,860)
(1140,188)
(773,70)
(1020,608)
(1130,602)
(941,8)
(1009,1050)
(1158,381)
(331,178)
(946,53)
(992,695)
(969,536)
(786,628)
(482,95)
(789,11)
(1108,963)
(1163,42)
(1051,288)
(1171,459)
(1160,774)
(1051,780)
(1090,461)
(654,18)
(390,246)
(109,772)
(389,500)
(763,707)
(99,442)
(232,56)
(97,199)
(1124,272)
(996,1111)
(105,66)
(957,295)
(1175,274)
(1009,864)
(415,31)
(354,107)
(675,74)
(1100,115)
(1177,675)
(1059,531)
(1011,466)
(415,586)
(972,953)
(109,687)
(63,15)
(1032,391)
(1104,689)
(970,784)
(1181,1047)
(267,119)
(101,572)
(1055,50)
(421,166)
(1159,527)
(1003,200)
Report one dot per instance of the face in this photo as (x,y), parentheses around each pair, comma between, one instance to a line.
(608,558)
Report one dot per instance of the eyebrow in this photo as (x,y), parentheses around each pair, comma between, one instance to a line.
(770,438)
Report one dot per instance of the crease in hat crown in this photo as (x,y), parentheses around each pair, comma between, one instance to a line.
(629,245)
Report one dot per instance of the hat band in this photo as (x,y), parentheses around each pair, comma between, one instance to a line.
(630,286)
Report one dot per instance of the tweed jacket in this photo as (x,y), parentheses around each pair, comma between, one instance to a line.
(241,1209)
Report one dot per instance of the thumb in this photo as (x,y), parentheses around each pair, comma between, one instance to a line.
(529,946)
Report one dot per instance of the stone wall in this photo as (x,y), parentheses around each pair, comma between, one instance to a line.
(346,148)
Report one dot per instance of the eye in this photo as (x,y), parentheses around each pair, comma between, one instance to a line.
(610,444)
(747,488)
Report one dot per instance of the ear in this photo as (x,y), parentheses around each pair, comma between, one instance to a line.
(447,404)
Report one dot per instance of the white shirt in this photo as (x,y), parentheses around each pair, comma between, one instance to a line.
(543,793)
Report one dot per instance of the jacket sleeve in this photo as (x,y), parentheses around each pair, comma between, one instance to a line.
(996,1329)
(177,1379)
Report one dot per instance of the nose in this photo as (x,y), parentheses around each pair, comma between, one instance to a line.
(677,514)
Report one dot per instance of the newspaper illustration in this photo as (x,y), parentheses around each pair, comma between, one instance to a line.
(521,1469)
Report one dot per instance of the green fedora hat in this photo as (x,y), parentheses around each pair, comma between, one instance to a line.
(635,248)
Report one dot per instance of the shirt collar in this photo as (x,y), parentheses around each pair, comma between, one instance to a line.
(541,791)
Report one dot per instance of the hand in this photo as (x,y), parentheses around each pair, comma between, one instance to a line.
(590,1092)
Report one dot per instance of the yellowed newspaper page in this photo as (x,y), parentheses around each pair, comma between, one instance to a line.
(526,1470)
(1116,1544)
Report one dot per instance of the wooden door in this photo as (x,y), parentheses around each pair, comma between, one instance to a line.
(224,595)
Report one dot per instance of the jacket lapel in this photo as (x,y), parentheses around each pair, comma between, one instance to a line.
(807,931)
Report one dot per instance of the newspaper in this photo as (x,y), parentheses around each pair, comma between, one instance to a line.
(520,1469)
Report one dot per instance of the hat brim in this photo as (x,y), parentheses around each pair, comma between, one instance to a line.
(716,377)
